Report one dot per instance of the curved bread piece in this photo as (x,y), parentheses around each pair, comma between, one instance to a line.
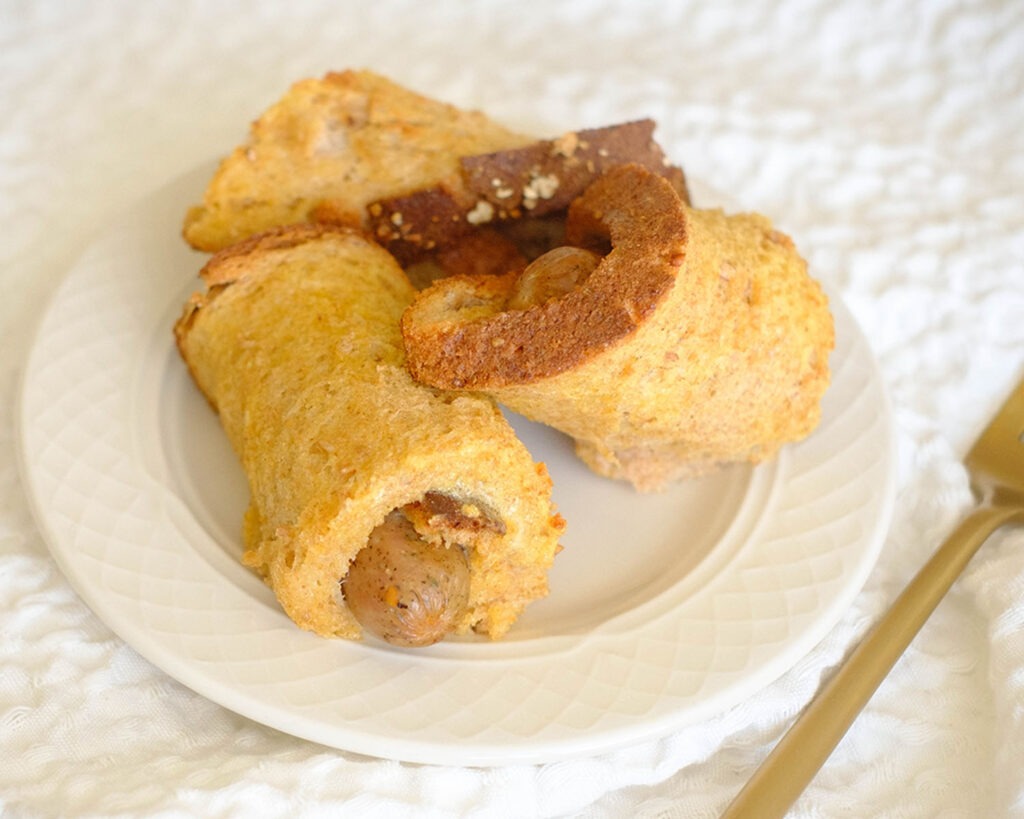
(331,146)
(459,335)
(296,345)
(698,340)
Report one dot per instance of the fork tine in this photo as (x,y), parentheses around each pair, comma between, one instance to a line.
(997,457)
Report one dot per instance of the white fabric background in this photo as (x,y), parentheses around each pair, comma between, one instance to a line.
(887,138)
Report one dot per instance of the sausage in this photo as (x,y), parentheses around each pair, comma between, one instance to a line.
(554,274)
(405,590)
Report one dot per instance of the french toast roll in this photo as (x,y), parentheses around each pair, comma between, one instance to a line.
(329,147)
(665,340)
(296,344)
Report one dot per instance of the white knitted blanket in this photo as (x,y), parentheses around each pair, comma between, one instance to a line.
(885,138)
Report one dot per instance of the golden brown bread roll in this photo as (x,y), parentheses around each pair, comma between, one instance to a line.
(331,146)
(694,339)
(297,346)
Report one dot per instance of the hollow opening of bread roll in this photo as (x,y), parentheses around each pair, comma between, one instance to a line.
(452,511)
(552,275)
(625,242)
(564,267)
(410,584)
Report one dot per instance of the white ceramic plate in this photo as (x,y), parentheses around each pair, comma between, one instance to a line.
(663,610)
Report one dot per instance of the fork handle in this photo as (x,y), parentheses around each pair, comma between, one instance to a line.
(792,764)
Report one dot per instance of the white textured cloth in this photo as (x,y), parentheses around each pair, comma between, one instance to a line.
(887,138)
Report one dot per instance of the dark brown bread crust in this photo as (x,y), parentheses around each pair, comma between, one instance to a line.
(537,180)
(643,218)
(547,176)
(413,225)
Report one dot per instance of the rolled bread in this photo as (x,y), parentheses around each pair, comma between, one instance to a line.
(331,146)
(697,340)
(296,344)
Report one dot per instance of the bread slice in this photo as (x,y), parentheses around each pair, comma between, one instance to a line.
(331,146)
(296,344)
(699,339)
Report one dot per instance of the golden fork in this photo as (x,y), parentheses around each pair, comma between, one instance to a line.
(996,467)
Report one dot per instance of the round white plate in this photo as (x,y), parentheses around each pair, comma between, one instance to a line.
(664,609)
